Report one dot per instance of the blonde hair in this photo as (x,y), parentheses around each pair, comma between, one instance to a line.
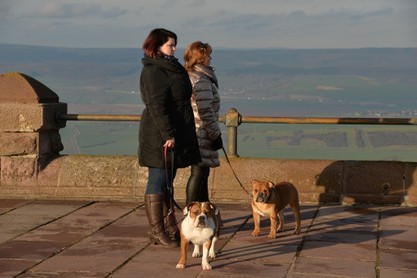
(196,53)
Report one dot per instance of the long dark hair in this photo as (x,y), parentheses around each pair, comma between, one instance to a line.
(157,38)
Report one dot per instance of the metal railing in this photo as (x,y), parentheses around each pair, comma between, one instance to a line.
(232,119)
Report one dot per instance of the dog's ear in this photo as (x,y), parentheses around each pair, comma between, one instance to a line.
(185,210)
(213,208)
(271,184)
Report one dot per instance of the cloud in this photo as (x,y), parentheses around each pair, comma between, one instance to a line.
(231,23)
(231,20)
(4,11)
(337,27)
(75,10)
(291,21)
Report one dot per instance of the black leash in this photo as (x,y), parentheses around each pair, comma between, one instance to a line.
(170,184)
(240,183)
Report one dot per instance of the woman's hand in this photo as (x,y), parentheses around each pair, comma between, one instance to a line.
(218,143)
(170,143)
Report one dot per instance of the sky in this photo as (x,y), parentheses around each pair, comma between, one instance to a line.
(222,23)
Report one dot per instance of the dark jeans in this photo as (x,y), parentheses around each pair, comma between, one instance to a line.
(157,180)
(197,186)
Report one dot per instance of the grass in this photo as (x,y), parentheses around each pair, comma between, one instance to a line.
(254,140)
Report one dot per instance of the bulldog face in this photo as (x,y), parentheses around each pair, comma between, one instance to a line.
(199,212)
(261,191)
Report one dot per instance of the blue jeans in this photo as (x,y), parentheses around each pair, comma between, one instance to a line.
(157,180)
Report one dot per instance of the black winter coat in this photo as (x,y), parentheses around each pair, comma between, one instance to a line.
(166,91)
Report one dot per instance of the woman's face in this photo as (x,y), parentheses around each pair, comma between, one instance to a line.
(168,48)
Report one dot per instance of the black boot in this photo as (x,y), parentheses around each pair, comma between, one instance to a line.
(193,185)
(204,194)
(197,186)
(154,206)
(170,219)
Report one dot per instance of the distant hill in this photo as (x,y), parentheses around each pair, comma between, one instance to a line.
(398,62)
(395,62)
(382,80)
(243,73)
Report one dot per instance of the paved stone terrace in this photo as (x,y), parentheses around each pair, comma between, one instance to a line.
(108,239)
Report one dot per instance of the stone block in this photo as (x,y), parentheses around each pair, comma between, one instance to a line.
(381,178)
(30,143)
(17,87)
(376,182)
(19,117)
(316,178)
(18,143)
(99,175)
(18,170)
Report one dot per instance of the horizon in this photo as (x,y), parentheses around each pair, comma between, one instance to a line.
(219,48)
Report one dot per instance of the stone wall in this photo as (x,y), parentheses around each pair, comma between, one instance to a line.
(31,166)
(81,177)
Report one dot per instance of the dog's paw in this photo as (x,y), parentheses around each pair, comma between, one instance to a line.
(212,255)
(297,231)
(255,233)
(196,251)
(272,236)
(180,266)
(206,266)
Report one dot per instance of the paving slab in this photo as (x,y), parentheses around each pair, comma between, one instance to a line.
(335,267)
(397,272)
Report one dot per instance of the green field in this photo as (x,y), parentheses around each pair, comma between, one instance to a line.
(347,142)
(333,142)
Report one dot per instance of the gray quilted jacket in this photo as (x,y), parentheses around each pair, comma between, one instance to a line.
(205,102)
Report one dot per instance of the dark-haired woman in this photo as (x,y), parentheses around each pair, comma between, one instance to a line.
(206,104)
(167,138)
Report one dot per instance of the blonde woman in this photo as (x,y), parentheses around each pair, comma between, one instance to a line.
(205,101)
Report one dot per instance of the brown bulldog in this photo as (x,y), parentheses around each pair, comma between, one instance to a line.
(270,199)
(201,226)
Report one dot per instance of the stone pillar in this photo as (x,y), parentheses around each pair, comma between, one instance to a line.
(29,133)
(233,120)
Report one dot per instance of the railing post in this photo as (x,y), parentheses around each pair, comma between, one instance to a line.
(232,121)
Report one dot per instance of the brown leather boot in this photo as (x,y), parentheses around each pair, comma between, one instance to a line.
(170,219)
(154,205)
